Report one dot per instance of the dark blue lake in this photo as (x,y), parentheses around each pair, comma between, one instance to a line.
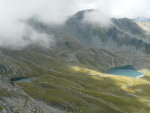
(21,79)
(125,71)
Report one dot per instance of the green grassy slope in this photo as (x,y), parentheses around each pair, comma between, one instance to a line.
(68,85)
(77,92)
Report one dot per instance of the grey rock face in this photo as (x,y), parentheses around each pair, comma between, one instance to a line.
(14,100)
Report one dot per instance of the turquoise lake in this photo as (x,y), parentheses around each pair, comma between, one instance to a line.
(125,71)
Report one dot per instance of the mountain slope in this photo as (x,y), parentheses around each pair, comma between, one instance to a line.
(68,77)
(121,35)
(59,84)
(144,25)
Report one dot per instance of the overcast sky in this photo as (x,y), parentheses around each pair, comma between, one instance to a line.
(60,8)
(56,11)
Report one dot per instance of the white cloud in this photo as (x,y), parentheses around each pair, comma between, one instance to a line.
(98,18)
(17,39)
(40,39)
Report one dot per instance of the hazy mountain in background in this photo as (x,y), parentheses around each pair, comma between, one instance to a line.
(142,19)
(144,23)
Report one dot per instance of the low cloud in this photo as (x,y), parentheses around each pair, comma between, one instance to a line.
(21,36)
(39,39)
(97,17)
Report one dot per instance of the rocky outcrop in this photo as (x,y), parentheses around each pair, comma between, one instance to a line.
(13,99)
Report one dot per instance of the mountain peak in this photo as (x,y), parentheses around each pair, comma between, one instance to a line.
(86,10)
(90,16)
(80,14)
